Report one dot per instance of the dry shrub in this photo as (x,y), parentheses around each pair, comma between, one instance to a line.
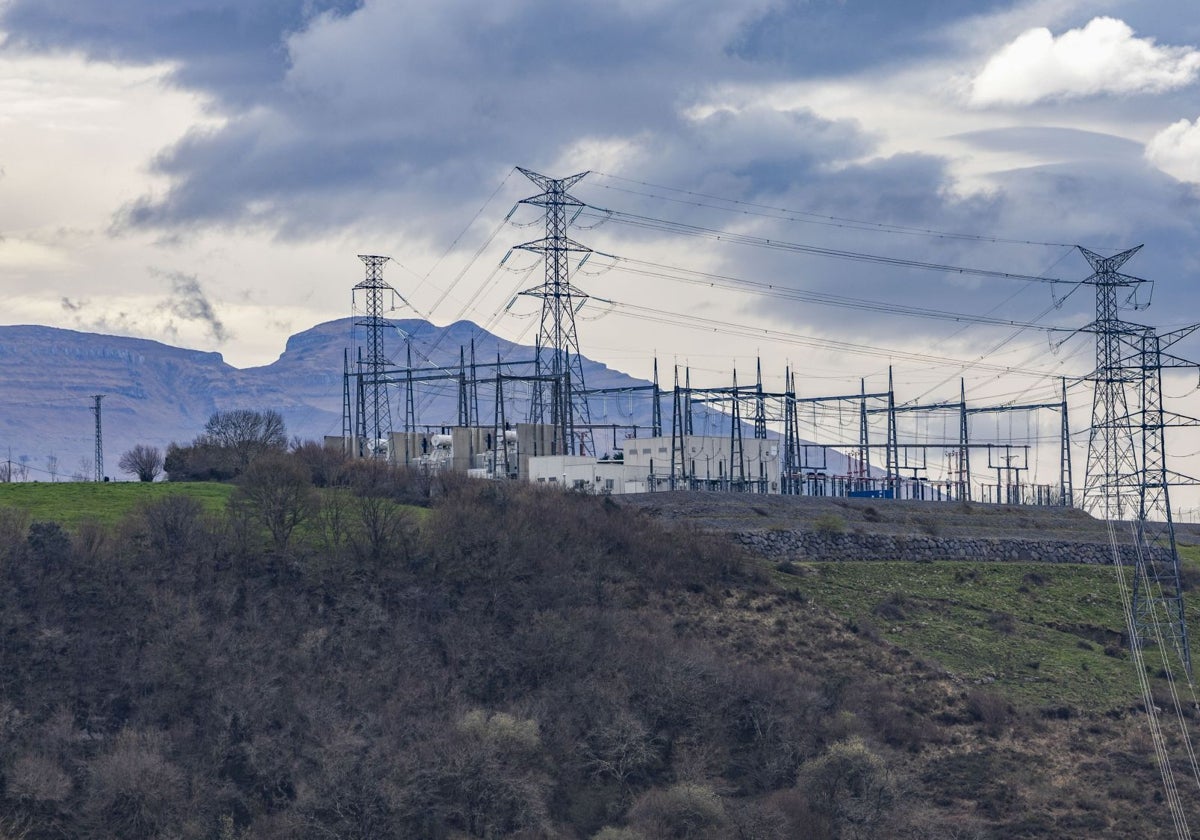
(38,778)
(852,787)
(686,811)
(612,833)
(174,524)
(14,525)
(829,524)
(93,541)
(135,790)
(991,711)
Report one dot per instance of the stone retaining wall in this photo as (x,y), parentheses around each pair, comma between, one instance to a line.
(810,545)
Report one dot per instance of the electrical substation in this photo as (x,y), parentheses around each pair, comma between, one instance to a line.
(534,417)
(529,415)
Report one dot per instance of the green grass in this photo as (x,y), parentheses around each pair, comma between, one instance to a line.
(71,502)
(1037,632)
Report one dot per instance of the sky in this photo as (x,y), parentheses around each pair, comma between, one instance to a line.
(204,173)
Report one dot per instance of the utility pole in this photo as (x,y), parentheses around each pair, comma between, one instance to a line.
(99,438)
(557,341)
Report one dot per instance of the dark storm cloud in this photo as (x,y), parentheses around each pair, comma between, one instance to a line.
(810,36)
(385,108)
(231,50)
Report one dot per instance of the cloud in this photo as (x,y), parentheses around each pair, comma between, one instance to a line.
(189,303)
(1103,57)
(230,49)
(1176,150)
(394,107)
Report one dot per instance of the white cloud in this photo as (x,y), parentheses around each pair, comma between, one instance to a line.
(1103,57)
(1176,150)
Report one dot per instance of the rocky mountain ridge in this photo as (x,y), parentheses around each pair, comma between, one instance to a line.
(156,393)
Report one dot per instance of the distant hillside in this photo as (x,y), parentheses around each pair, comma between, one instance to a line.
(156,393)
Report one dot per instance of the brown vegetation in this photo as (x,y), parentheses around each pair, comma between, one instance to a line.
(395,655)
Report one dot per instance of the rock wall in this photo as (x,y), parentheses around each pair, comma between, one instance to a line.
(811,545)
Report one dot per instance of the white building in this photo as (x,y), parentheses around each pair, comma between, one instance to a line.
(586,474)
(700,462)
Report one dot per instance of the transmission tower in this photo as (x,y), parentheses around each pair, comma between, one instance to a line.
(99,438)
(375,418)
(1111,486)
(560,363)
(1158,593)
(1127,475)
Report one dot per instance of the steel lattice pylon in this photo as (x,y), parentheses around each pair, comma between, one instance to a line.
(1111,487)
(560,364)
(1158,609)
(375,415)
(1127,476)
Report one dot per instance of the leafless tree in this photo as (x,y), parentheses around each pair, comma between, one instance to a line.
(143,461)
(279,492)
(246,433)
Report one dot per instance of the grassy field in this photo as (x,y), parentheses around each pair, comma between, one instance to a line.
(71,502)
(1042,634)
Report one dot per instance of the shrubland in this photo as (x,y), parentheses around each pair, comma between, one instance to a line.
(358,651)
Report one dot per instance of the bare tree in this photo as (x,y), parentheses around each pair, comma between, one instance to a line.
(279,492)
(145,462)
(246,433)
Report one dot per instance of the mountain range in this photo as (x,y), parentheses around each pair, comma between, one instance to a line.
(155,393)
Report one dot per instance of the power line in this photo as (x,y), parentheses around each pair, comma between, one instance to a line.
(751,208)
(712,325)
(684,229)
(725,281)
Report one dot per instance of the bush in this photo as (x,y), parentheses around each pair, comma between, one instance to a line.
(852,787)
(829,524)
(686,811)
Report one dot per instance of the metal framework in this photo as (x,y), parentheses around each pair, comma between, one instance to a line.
(557,347)
(737,411)
(1127,475)
(1110,488)
(375,415)
(99,438)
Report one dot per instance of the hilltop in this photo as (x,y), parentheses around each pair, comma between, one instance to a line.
(469,659)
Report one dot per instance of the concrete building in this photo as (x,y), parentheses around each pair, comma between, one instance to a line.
(700,462)
(586,474)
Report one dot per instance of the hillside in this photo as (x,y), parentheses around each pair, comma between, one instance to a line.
(515,663)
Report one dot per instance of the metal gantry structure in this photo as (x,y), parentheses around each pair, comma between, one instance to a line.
(557,351)
(1127,476)
(877,458)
